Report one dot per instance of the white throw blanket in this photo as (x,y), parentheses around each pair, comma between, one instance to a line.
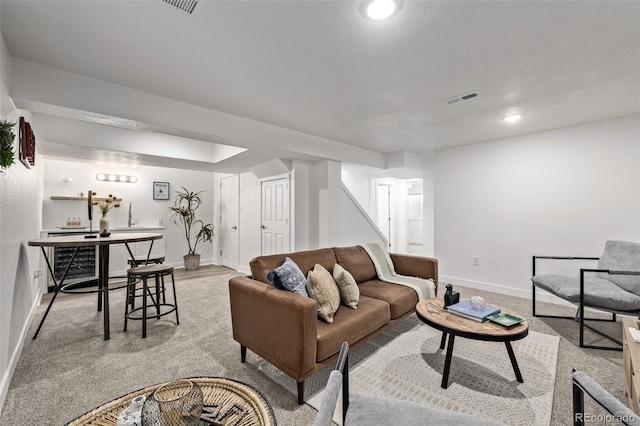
(384,267)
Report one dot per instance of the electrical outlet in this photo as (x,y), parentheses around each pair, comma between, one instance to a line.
(37,273)
(476,261)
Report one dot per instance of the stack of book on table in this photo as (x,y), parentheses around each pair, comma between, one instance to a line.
(464,309)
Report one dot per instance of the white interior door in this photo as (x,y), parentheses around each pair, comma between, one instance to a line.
(229,221)
(275,216)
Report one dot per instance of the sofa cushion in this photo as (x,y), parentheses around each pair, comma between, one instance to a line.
(351,325)
(598,292)
(324,290)
(356,260)
(621,256)
(306,260)
(401,299)
(349,292)
(289,277)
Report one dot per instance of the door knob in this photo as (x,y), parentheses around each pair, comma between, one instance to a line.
(234,227)
(264,227)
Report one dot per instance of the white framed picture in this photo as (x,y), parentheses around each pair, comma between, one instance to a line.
(160,190)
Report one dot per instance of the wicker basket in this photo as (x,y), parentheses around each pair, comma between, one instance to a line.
(226,401)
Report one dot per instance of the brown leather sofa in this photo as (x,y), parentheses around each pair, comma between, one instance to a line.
(283,328)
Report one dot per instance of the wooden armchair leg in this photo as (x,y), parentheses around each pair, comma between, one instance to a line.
(301,392)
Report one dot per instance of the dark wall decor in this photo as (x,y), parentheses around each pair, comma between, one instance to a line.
(27,144)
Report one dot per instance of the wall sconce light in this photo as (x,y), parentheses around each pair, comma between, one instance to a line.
(116,178)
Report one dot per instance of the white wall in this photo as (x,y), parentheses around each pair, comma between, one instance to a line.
(300,204)
(428,208)
(358,183)
(325,194)
(144,208)
(20,216)
(355,225)
(561,192)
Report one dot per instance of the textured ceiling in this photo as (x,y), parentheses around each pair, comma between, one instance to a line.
(319,68)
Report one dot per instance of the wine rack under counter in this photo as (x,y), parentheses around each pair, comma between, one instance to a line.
(85,265)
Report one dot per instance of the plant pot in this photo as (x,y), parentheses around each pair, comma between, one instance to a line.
(191,261)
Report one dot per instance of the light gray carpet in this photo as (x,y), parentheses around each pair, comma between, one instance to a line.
(407,362)
(69,369)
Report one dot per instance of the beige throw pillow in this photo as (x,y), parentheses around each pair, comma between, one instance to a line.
(323,289)
(349,291)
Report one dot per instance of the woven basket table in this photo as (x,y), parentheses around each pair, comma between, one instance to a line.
(226,402)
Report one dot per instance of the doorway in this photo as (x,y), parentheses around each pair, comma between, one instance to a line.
(275,227)
(399,213)
(229,191)
(415,216)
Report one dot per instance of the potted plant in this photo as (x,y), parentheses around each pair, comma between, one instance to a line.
(195,230)
(104,205)
(6,143)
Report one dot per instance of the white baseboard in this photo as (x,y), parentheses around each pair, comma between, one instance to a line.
(15,356)
(541,295)
(244,269)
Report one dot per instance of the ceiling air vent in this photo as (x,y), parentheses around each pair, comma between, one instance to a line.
(192,7)
(461,98)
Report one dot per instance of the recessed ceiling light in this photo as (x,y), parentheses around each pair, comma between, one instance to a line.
(512,118)
(380,9)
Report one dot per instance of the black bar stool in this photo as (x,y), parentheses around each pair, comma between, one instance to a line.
(143,273)
(140,261)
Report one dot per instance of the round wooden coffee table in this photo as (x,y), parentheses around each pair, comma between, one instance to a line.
(432,313)
(226,401)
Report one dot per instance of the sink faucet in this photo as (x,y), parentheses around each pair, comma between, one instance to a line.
(130,221)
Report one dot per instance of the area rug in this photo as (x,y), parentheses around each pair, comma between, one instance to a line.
(406,362)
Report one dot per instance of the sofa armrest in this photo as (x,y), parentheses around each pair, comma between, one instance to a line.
(582,384)
(416,266)
(278,325)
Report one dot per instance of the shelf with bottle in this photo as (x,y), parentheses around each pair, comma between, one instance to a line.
(74,222)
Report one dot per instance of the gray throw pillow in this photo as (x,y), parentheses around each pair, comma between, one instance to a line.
(349,291)
(288,276)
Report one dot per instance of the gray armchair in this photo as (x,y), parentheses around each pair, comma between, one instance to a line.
(618,412)
(368,410)
(613,286)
